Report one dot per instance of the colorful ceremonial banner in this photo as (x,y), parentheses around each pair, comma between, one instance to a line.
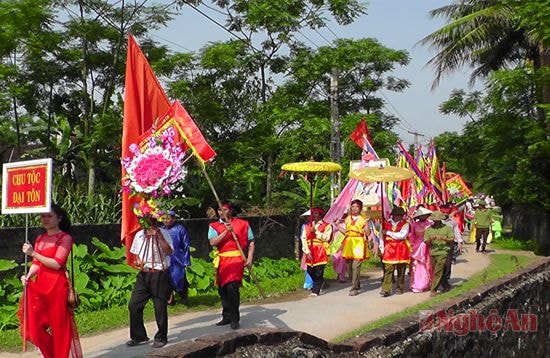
(412,165)
(456,187)
(405,186)
(27,187)
(434,174)
(445,193)
(354,188)
(144,102)
(187,132)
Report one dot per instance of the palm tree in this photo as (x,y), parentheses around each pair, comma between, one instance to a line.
(487,35)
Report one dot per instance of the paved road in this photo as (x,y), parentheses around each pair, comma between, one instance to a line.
(327,316)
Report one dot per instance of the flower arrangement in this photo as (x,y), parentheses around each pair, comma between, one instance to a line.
(157,170)
(153,172)
(148,209)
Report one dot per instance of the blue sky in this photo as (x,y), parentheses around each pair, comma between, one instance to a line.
(397,24)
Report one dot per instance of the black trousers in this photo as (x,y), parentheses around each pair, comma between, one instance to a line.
(448,265)
(316,273)
(150,285)
(231,299)
(481,238)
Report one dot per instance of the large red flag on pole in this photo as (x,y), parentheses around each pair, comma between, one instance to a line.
(186,130)
(144,102)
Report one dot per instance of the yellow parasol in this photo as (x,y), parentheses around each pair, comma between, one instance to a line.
(312,167)
(381,175)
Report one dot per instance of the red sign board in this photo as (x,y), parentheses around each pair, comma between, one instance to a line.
(26,187)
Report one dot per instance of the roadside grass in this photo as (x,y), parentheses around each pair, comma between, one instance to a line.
(500,265)
(90,323)
(510,243)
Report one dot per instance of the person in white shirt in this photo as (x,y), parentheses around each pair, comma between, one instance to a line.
(153,247)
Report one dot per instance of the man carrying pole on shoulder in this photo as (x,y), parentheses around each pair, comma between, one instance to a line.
(232,237)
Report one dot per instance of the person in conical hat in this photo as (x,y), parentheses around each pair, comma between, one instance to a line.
(420,268)
(440,238)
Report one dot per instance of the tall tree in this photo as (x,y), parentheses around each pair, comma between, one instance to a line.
(268,29)
(69,69)
(267,92)
(21,23)
(489,35)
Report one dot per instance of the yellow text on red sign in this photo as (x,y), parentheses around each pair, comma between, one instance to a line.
(27,187)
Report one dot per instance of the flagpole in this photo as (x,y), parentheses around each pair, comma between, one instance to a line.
(256,282)
(25,290)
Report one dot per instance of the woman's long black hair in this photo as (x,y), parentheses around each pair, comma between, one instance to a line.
(64,222)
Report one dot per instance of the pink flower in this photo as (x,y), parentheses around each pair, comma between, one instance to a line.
(156,169)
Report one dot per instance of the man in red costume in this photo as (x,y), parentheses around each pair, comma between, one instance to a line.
(315,238)
(396,251)
(229,261)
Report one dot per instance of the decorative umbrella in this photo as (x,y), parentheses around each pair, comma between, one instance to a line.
(312,167)
(382,174)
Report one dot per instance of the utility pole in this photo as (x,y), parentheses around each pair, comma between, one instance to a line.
(416,141)
(335,143)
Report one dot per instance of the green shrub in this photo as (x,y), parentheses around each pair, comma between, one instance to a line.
(510,243)
(103,280)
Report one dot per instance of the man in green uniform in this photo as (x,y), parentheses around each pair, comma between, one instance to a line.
(439,237)
(482,221)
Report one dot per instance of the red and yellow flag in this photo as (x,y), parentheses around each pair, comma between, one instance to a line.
(144,102)
(187,132)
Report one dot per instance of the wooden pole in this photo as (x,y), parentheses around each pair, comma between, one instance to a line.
(25,290)
(256,282)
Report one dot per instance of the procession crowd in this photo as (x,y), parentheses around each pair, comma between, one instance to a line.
(426,241)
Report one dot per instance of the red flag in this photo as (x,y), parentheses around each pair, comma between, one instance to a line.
(187,132)
(144,102)
(359,133)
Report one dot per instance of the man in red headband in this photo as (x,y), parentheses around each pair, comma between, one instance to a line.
(229,261)
(315,238)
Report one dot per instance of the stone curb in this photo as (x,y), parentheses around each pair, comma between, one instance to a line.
(406,326)
(226,343)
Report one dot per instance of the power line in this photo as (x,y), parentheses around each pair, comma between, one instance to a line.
(214,9)
(171,42)
(332,32)
(247,42)
(307,38)
(396,111)
(323,37)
